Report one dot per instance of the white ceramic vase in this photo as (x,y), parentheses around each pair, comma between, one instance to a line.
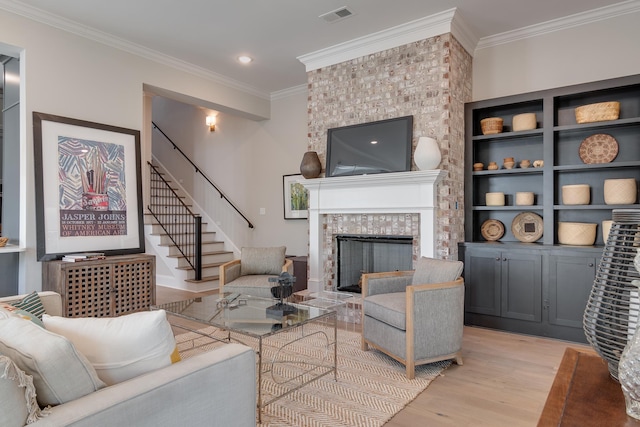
(427,155)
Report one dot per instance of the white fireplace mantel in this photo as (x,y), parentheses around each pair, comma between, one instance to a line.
(387,193)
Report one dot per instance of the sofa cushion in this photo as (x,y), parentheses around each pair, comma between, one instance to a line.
(120,348)
(17,396)
(262,260)
(32,304)
(256,285)
(60,372)
(388,308)
(429,270)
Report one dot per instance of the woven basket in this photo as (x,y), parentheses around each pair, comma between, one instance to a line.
(494,199)
(576,233)
(620,191)
(578,194)
(599,112)
(3,241)
(491,125)
(525,121)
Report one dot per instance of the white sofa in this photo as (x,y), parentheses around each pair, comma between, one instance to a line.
(216,388)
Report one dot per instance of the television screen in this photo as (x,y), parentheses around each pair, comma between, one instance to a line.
(369,148)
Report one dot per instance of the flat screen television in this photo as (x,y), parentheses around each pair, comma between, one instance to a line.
(369,148)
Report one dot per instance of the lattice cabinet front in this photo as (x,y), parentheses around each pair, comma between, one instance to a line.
(110,287)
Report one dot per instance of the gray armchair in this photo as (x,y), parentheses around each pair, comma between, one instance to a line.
(415,317)
(250,274)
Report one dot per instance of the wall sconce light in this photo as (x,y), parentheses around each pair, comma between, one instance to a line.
(211,122)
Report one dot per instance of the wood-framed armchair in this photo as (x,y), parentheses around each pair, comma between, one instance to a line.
(250,274)
(415,317)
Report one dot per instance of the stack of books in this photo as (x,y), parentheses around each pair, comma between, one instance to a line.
(84,256)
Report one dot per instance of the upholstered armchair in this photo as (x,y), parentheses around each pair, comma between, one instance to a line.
(250,274)
(415,317)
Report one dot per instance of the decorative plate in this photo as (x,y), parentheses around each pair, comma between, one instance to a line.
(527,227)
(598,148)
(492,230)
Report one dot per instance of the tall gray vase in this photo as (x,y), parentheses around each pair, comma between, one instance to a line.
(310,166)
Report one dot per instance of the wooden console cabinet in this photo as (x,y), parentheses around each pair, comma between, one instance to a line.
(103,288)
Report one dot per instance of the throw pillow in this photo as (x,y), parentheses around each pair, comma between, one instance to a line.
(60,372)
(7,310)
(31,303)
(122,347)
(17,396)
(429,270)
(262,260)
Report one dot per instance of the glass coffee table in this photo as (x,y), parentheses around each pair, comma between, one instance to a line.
(274,332)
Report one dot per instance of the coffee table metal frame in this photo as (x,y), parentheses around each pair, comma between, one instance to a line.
(248,316)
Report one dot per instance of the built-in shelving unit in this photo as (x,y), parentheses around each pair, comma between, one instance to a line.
(566,272)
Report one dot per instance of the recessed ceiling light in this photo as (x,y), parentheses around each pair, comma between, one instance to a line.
(245,59)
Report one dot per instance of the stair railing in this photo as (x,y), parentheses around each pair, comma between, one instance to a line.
(182,226)
(198,170)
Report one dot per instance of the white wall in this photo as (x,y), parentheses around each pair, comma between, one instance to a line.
(67,75)
(596,51)
(245,159)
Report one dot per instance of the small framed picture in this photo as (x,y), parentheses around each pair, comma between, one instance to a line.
(296,197)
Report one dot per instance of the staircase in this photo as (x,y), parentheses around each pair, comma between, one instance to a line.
(179,273)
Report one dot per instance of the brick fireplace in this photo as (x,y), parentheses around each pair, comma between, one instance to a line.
(430,79)
(389,204)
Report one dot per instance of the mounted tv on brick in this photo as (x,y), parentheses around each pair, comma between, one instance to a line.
(370,148)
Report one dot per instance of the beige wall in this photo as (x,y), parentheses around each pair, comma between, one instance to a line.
(71,76)
(597,51)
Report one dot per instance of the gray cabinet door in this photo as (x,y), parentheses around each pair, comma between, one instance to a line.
(522,286)
(482,281)
(570,282)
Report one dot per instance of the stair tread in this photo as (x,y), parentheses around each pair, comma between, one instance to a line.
(203,254)
(181,234)
(204,279)
(210,265)
(204,243)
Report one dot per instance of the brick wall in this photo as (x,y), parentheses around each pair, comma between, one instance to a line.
(429,79)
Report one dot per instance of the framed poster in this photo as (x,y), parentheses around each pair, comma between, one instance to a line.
(296,197)
(88,189)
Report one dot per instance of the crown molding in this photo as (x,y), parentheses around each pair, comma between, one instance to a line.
(78,29)
(571,21)
(413,31)
(285,93)
(463,33)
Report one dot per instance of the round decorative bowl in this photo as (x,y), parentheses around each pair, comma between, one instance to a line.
(491,125)
(576,233)
(526,121)
(494,199)
(620,191)
(492,230)
(576,194)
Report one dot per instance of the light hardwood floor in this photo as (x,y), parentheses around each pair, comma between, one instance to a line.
(504,380)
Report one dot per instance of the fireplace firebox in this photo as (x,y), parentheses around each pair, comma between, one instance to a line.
(358,254)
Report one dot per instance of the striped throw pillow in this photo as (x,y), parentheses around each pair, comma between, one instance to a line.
(31,303)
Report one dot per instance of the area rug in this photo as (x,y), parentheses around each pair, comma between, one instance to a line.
(370,387)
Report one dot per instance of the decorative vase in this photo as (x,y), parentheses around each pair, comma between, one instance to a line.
(609,314)
(310,166)
(427,155)
(629,366)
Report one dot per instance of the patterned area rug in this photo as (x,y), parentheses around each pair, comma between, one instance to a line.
(370,388)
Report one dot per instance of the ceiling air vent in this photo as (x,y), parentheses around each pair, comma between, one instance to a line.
(336,15)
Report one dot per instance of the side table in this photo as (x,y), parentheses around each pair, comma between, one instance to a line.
(584,394)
